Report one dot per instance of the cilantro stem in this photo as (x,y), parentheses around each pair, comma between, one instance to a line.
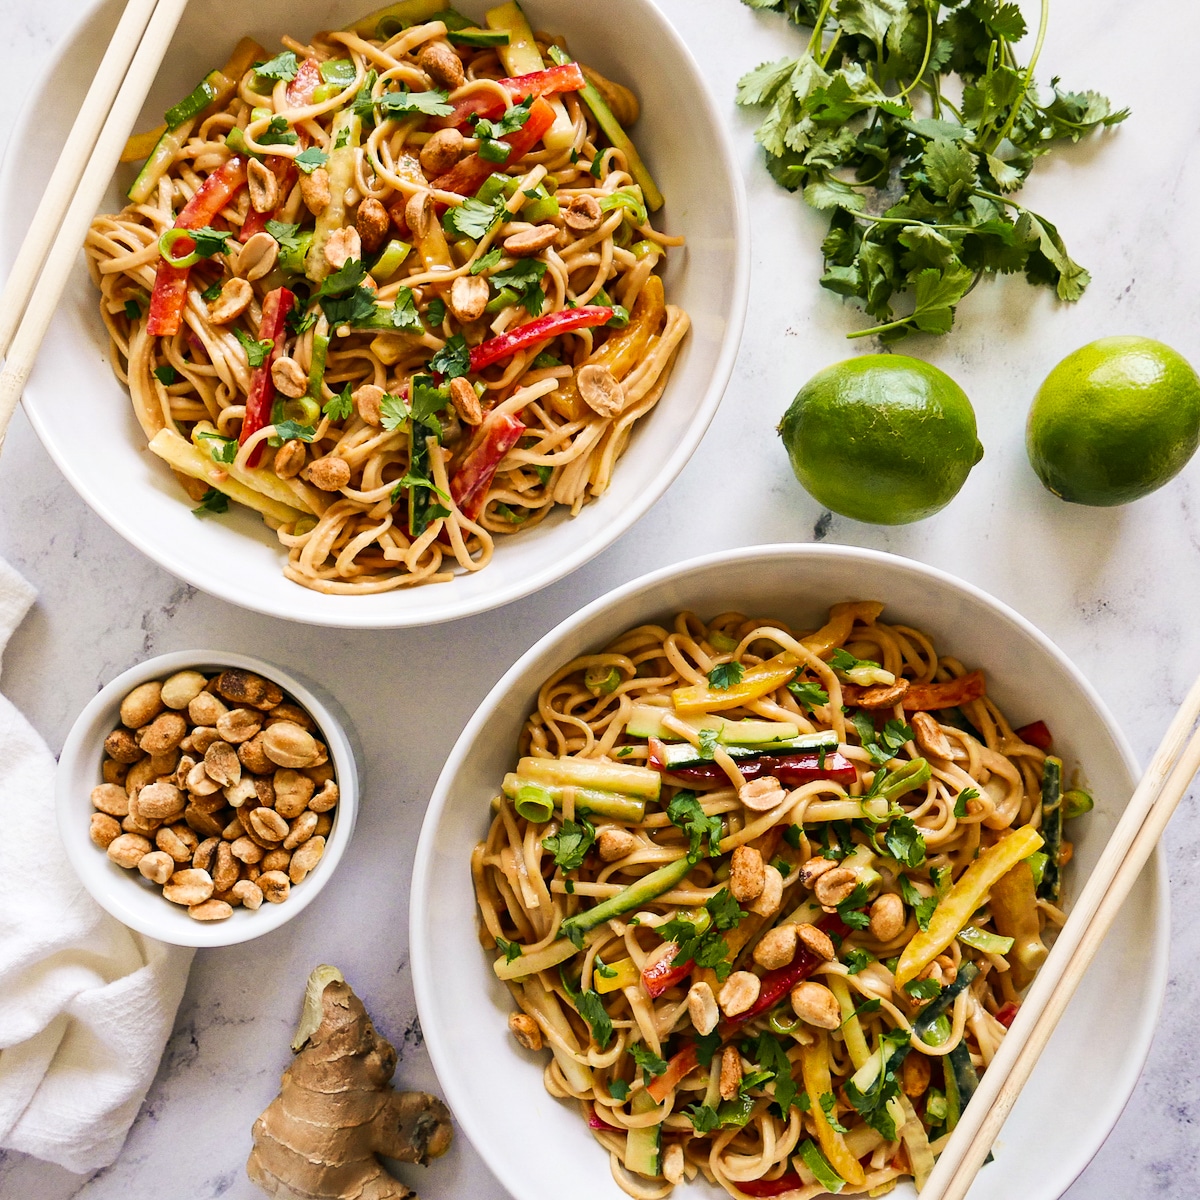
(833,41)
(924,61)
(819,27)
(881,328)
(1006,128)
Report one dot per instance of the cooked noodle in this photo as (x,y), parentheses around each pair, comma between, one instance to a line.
(360,502)
(902,802)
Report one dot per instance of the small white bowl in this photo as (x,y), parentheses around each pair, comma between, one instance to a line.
(533,1142)
(100,448)
(136,901)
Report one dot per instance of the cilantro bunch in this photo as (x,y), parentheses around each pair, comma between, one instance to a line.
(919,187)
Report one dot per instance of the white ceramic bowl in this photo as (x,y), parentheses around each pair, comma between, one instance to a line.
(534,1143)
(136,901)
(84,416)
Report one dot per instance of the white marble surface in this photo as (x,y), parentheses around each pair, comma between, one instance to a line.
(1115,588)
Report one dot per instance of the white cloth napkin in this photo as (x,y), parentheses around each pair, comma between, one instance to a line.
(86,1005)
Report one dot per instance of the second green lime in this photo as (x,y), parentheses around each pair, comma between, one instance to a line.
(883,438)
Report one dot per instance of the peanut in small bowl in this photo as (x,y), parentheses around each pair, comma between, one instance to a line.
(205,798)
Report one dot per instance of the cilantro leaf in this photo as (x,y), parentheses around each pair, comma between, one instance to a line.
(453,359)
(288,431)
(905,842)
(857,960)
(726,675)
(404,312)
(808,695)
(393,412)
(922,906)
(221,449)
(133,310)
(872,1105)
(212,502)
(209,241)
(358,305)
(572,842)
(707,1046)
(256,352)
(923,989)
(724,910)
(435,313)
(511,950)
(211,292)
(703,1119)
(312,158)
(427,401)
(166,374)
(618,1089)
(591,1009)
(645,1058)
(277,133)
(850,908)
(685,812)
(708,743)
(349,275)
(525,279)
(283,66)
(960,801)
(475,219)
(340,407)
(430,104)
(485,262)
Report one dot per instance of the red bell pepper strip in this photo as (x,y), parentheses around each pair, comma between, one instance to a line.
(792,770)
(950,693)
(308,78)
(505,345)
(678,1068)
(1036,734)
(475,474)
(567,78)
(170,283)
(788,1182)
(660,974)
(467,176)
(299,94)
(775,985)
(261,399)
(1006,1013)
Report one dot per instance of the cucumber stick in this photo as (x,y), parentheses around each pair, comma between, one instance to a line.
(1052,823)
(522,57)
(648,888)
(643,1147)
(639,782)
(588,801)
(646,721)
(397,16)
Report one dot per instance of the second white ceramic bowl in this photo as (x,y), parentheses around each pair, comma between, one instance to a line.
(533,1142)
(134,900)
(84,417)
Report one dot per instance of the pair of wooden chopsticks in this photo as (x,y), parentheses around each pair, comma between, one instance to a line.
(77,186)
(1163,786)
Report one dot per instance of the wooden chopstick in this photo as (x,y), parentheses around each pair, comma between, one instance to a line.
(76,189)
(1150,808)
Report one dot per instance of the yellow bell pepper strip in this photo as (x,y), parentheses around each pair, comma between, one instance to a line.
(1015,915)
(960,902)
(837,629)
(814,1066)
(623,973)
(758,681)
(621,352)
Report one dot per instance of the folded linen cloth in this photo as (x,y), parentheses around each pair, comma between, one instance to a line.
(86,1005)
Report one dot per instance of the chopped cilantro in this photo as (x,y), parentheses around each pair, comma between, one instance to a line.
(591,1009)
(435,313)
(922,906)
(545,360)
(725,675)
(703,1118)
(349,275)
(212,502)
(525,279)
(393,412)
(256,352)
(475,219)
(808,695)
(904,842)
(923,989)
(211,292)
(358,305)
(618,1089)
(828,1104)
(686,812)
(708,743)
(453,359)
(277,134)
(850,908)
(221,449)
(283,66)
(857,960)
(398,104)
(364,103)
(707,1046)
(288,431)
(572,842)
(312,158)
(166,375)
(340,407)
(792,835)
(404,312)
(427,401)
(133,310)
(872,1105)
(960,801)
(511,950)
(645,1058)
(882,745)
(485,262)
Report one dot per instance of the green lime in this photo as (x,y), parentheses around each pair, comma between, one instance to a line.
(883,438)
(1114,421)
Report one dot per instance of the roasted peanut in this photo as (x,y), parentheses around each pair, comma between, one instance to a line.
(613,843)
(200,783)
(256,258)
(189,887)
(275,886)
(241,792)
(812,870)
(238,725)
(142,705)
(468,297)
(268,824)
(439,61)
(205,708)
(206,853)
(252,756)
(776,948)
(927,732)
(816,940)
(211,910)
(168,840)
(290,458)
(158,802)
(605,396)
(303,827)
(343,245)
(702,1008)
(525,1029)
(306,858)
(247,851)
(262,186)
(419,214)
(182,688)
(373,224)
(248,893)
(134,823)
(368,400)
(105,829)
(114,772)
(324,824)
(330,473)
(835,886)
(530,242)
(292,792)
(815,1003)
(771,896)
(276,860)
(326,798)
(234,299)
(157,866)
(111,799)
(583,214)
(127,850)
(762,795)
(887,917)
(202,737)
(245,689)
(441,152)
(201,822)
(121,746)
(140,774)
(315,191)
(746,874)
(225,868)
(465,401)
(289,746)
(289,377)
(738,992)
(731,1072)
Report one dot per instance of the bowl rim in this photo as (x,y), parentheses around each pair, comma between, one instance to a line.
(1136,1050)
(557,567)
(82,853)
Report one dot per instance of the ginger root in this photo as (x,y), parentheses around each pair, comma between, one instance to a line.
(336,1110)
